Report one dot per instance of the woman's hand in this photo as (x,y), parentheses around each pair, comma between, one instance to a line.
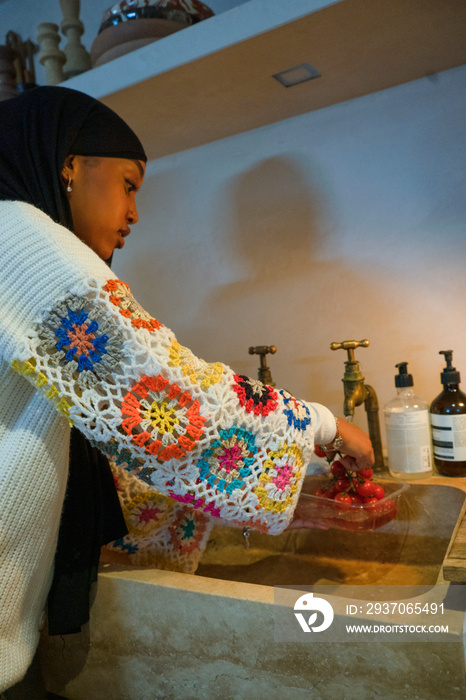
(356,443)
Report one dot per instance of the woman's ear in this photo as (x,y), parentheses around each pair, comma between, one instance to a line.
(67,174)
(67,170)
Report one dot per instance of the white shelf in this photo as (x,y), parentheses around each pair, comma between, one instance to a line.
(214,79)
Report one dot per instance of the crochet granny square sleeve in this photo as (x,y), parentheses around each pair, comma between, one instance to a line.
(195,431)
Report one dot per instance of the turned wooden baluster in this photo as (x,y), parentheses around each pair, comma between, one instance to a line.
(78,59)
(50,55)
(28,49)
(8,87)
(24,61)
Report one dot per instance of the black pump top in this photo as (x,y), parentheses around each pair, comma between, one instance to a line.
(449,374)
(403,379)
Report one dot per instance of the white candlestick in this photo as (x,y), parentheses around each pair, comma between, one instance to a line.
(78,59)
(50,55)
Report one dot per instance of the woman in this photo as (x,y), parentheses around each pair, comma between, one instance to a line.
(78,352)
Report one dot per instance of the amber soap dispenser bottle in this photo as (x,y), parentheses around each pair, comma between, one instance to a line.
(448,422)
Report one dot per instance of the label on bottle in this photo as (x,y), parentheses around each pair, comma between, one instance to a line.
(449,436)
(408,441)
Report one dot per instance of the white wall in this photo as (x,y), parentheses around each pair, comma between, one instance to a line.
(348,222)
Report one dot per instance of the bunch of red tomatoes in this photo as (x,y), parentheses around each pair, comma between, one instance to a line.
(350,487)
(355,501)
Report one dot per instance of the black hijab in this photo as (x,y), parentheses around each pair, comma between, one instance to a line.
(38,129)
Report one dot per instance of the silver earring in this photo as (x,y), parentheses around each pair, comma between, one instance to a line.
(69,188)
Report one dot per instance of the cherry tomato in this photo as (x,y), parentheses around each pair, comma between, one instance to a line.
(319,452)
(366,473)
(365,488)
(378,491)
(342,484)
(338,469)
(370,500)
(343,498)
(356,499)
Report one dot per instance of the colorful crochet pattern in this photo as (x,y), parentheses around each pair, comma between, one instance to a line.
(192,430)
(296,411)
(254,396)
(162,418)
(280,479)
(229,460)
(196,370)
(83,347)
(198,431)
(162,532)
(120,295)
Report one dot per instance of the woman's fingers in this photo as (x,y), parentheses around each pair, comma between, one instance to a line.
(356,444)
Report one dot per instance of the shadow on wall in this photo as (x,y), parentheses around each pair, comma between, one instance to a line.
(291,291)
(277,221)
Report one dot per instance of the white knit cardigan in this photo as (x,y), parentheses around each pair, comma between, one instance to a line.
(77,349)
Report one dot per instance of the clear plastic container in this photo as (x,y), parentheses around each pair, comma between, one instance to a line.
(327,513)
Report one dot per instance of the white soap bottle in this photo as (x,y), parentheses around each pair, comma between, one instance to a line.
(409,442)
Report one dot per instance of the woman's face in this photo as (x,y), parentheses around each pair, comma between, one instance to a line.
(102,199)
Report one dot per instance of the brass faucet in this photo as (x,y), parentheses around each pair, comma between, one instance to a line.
(357,392)
(264,373)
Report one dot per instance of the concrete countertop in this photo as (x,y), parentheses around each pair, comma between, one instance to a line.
(439,480)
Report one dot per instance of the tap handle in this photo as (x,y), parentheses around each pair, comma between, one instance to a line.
(262,350)
(350,346)
(264,372)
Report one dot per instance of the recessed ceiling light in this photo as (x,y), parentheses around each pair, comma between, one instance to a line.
(296,75)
